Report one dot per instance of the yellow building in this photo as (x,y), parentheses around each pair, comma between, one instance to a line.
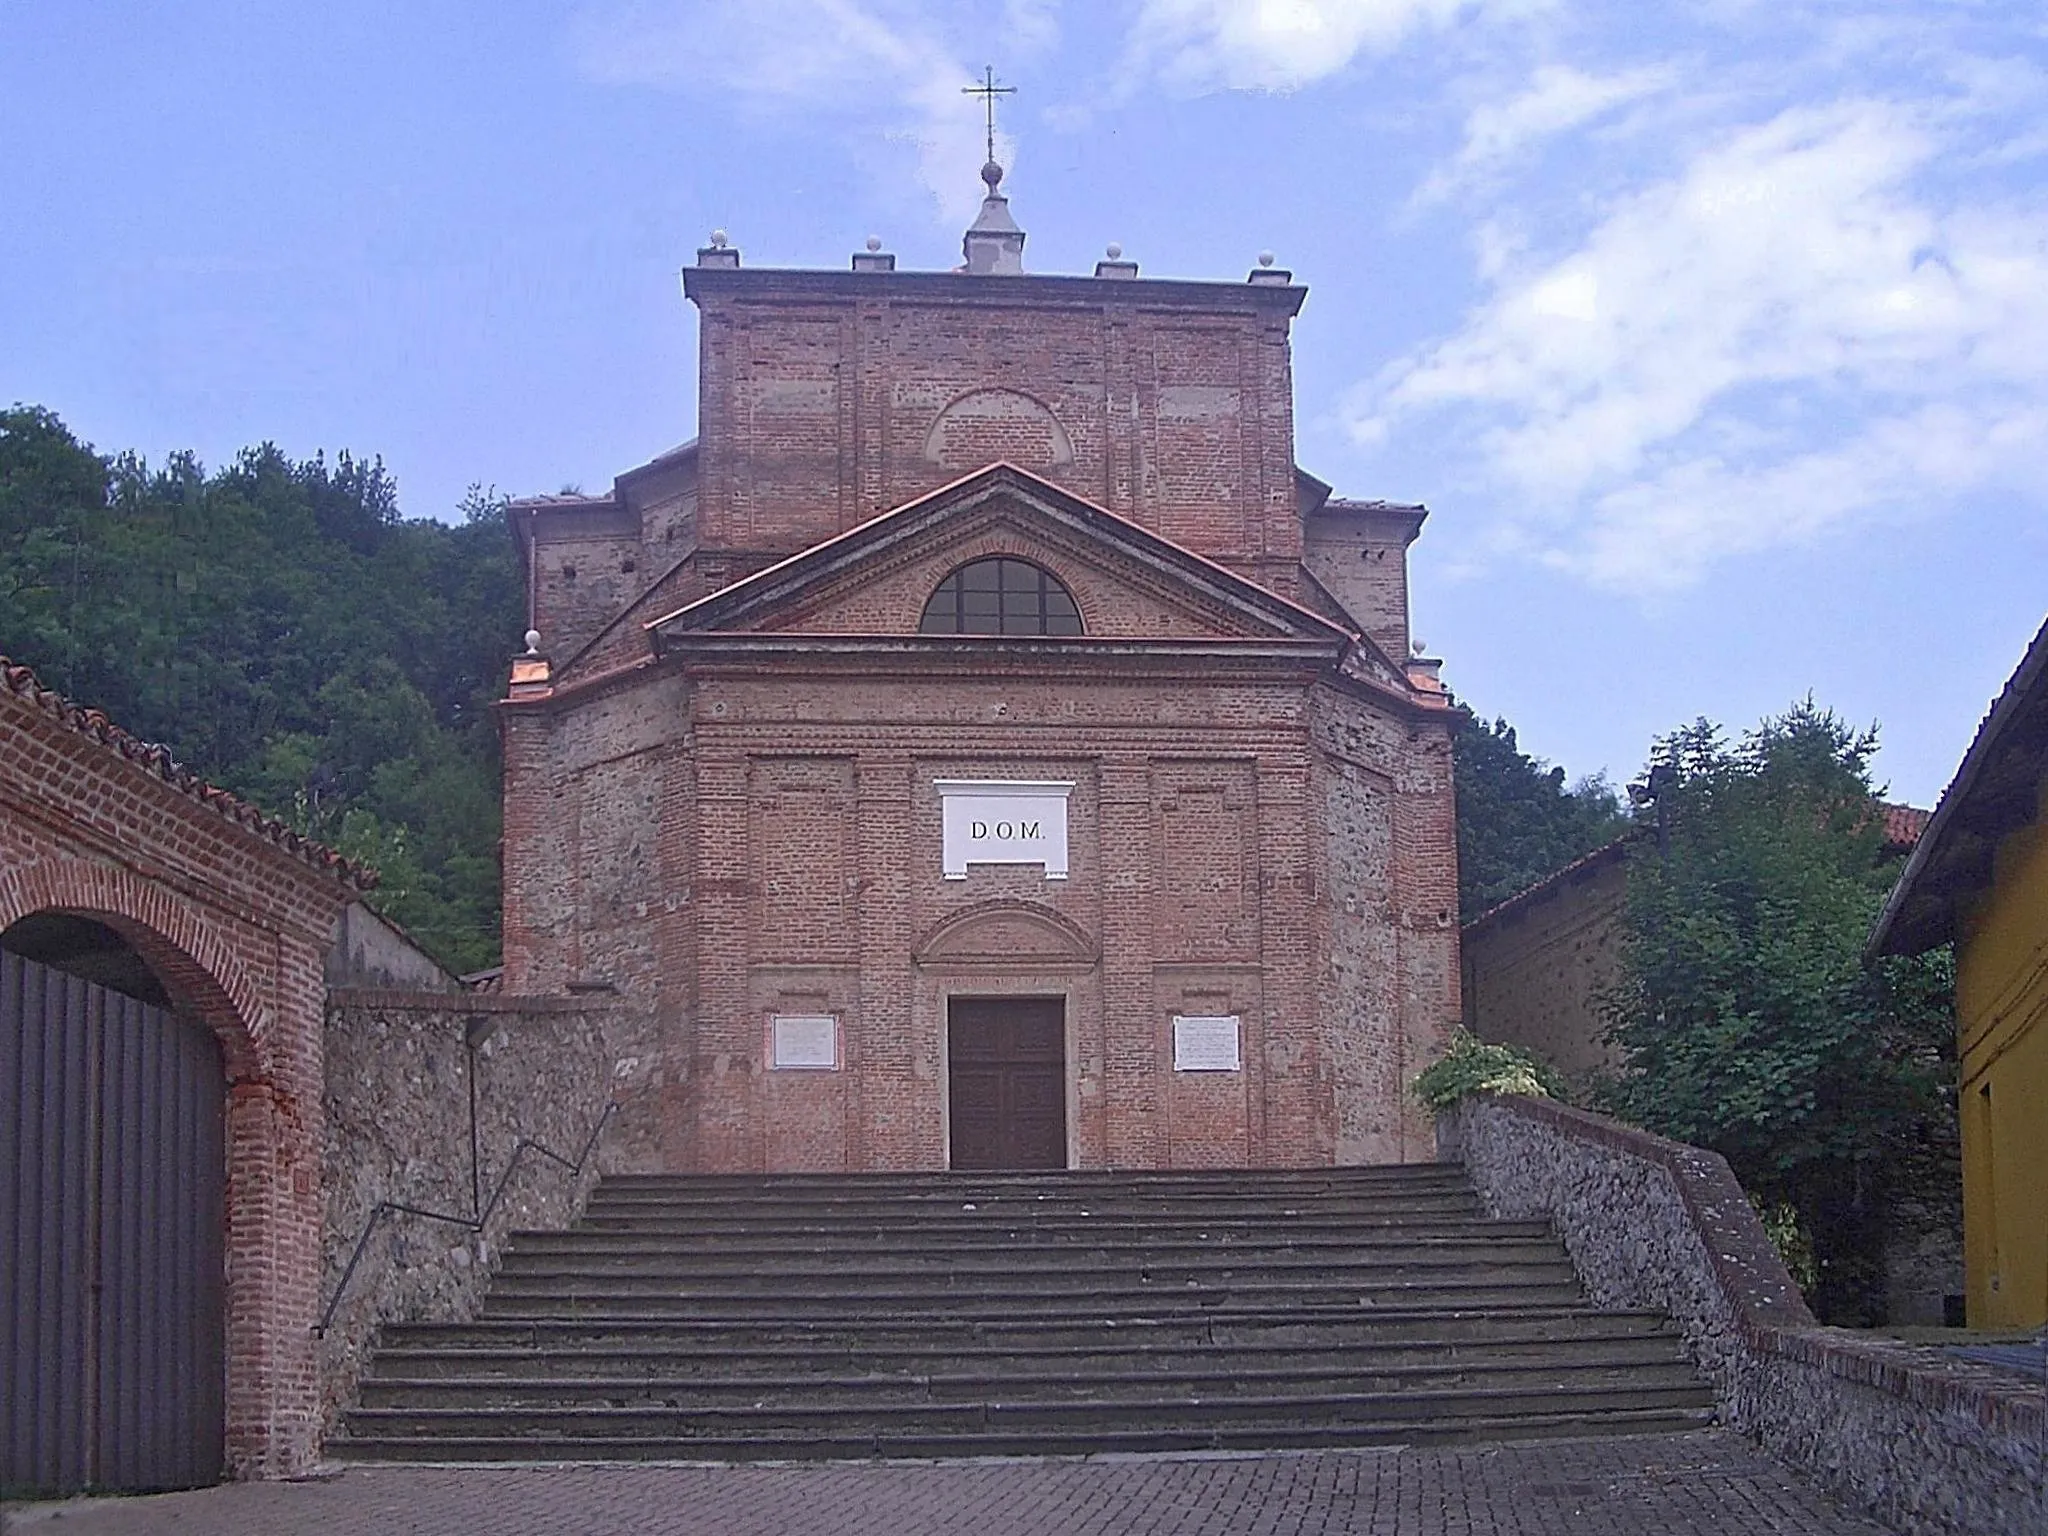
(1980,879)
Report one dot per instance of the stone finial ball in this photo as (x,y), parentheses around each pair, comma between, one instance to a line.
(1265,258)
(992,174)
(718,238)
(1115,250)
(533,639)
(1419,647)
(874,242)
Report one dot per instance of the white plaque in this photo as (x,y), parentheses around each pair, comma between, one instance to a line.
(1205,1042)
(805,1041)
(1003,821)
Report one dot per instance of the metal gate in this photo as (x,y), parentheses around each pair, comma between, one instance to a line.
(112,1174)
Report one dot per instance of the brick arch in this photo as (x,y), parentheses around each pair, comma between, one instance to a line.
(1019,932)
(189,956)
(989,426)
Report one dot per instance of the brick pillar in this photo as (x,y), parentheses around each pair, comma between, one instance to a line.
(274,1215)
(888,1112)
(1132,1029)
(727,1052)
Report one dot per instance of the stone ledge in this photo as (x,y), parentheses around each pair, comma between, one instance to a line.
(399,999)
(1753,1277)
(1998,1400)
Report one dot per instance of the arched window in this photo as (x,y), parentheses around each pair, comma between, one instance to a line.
(1001,597)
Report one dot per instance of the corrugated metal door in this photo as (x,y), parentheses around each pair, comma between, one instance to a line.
(112,1174)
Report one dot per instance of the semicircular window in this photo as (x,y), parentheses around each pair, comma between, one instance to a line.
(1000,596)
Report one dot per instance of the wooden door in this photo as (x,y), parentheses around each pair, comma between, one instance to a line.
(1008,1081)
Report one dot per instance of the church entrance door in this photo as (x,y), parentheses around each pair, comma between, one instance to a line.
(1008,1081)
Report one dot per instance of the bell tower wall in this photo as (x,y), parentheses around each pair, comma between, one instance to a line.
(830,398)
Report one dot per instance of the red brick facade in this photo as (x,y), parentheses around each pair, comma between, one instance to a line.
(234,916)
(722,785)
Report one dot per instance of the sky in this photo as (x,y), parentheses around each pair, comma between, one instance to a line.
(1715,336)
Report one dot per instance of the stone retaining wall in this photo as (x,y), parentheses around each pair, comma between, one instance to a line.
(398,1079)
(1924,1441)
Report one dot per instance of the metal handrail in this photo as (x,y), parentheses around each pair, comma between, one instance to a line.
(475,1223)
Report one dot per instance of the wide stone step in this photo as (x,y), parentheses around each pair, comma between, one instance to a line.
(953,1225)
(1103,1203)
(1101,1300)
(665,1363)
(1093,1381)
(584,1244)
(1020,1262)
(956,1314)
(1290,1434)
(796,1419)
(1030,1270)
(1052,1186)
(1271,1328)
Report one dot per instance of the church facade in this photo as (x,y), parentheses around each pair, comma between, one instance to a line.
(983,745)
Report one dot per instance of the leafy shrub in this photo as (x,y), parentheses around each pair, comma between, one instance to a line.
(1470,1065)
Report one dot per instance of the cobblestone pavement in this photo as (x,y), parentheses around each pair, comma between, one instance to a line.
(1708,1483)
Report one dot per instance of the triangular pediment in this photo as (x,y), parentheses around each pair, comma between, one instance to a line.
(1129,583)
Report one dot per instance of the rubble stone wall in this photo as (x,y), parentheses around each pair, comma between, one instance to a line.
(399,1069)
(1926,1442)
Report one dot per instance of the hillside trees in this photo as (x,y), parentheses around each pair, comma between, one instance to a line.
(1751,1021)
(287,633)
(1518,821)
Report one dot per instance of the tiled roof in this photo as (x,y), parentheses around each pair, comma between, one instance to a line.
(1586,863)
(156,760)
(1903,825)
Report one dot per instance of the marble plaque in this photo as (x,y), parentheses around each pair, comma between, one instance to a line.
(1205,1043)
(804,1041)
(1003,821)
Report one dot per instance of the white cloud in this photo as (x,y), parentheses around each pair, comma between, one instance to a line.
(1557,99)
(1794,331)
(1277,45)
(879,63)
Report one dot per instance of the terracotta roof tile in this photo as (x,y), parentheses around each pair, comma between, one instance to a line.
(1903,825)
(155,759)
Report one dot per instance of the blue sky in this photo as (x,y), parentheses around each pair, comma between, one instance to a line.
(1715,336)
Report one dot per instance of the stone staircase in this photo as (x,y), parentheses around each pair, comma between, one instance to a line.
(918,1315)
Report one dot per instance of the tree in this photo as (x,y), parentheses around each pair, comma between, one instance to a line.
(1517,820)
(1750,1021)
(287,634)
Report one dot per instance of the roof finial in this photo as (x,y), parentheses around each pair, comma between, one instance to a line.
(993,245)
(988,91)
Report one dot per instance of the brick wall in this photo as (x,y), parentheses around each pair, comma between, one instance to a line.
(1535,969)
(830,398)
(236,922)
(727,841)
(1259,829)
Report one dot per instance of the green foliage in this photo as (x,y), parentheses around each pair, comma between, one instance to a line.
(1517,819)
(1470,1065)
(288,634)
(1751,1023)
(1794,1243)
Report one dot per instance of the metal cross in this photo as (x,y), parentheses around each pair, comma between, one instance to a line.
(988,91)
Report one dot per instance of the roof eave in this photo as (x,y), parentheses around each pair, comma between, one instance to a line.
(1916,917)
